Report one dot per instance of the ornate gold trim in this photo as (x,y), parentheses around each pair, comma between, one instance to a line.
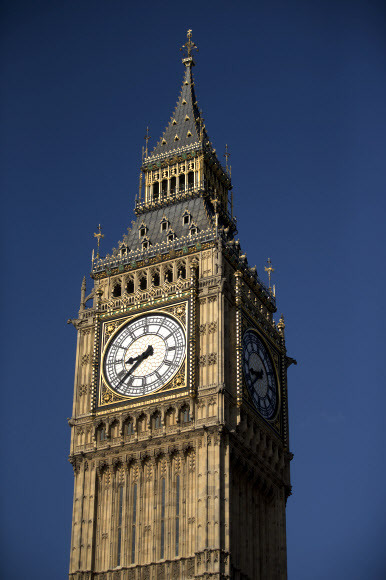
(107,395)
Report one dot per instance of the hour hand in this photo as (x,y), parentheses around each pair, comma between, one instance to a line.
(258,374)
(131,360)
(148,352)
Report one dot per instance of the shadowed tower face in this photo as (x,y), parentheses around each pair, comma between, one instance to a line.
(179,430)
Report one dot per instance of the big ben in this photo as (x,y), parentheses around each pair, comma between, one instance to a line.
(179,429)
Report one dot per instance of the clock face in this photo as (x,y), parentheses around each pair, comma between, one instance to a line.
(144,355)
(259,374)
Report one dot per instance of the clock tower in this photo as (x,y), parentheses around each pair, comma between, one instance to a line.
(179,429)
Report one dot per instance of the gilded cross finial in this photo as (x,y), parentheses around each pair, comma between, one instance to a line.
(227,155)
(99,235)
(189,45)
(269,269)
(147,137)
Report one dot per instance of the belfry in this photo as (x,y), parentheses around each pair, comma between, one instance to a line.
(179,429)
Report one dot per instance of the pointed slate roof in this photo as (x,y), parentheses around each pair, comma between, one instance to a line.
(186,129)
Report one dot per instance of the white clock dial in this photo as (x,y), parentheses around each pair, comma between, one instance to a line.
(144,355)
(259,374)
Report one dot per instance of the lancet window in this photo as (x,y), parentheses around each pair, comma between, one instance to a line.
(134,523)
(119,534)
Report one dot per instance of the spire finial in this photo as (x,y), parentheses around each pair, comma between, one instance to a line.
(227,155)
(269,269)
(188,47)
(147,137)
(99,235)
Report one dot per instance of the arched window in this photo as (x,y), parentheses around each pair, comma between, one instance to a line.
(101,433)
(143,283)
(162,550)
(173,183)
(119,524)
(181,272)
(156,279)
(190,179)
(130,286)
(155,191)
(114,430)
(129,427)
(134,523)
(170,418)
(177,514)
(141,424)
(164,186)
(169,275)
(156,421)
(185,414)
(117,290)
(182,182)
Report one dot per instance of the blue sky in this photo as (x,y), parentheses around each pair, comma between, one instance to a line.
(298,91)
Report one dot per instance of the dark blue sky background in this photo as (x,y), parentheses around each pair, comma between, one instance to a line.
(298,91)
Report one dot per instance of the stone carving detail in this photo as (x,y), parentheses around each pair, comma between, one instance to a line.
(85,359)
(175,570)
(85,331)
(202,360)
(212,358)
(212,327)
(190,567)
(83,390)
(202,329)
(212,299)
(191,459)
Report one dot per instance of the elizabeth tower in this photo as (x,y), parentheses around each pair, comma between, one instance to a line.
(179,429)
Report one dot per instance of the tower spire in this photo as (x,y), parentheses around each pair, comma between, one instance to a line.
(185,129)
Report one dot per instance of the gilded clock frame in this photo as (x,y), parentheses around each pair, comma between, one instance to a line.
(274,365)
(244,322)
(106,397)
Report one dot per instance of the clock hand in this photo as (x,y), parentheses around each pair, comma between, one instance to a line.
(131,360)
(148,352)
(145,354)
(258,374)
